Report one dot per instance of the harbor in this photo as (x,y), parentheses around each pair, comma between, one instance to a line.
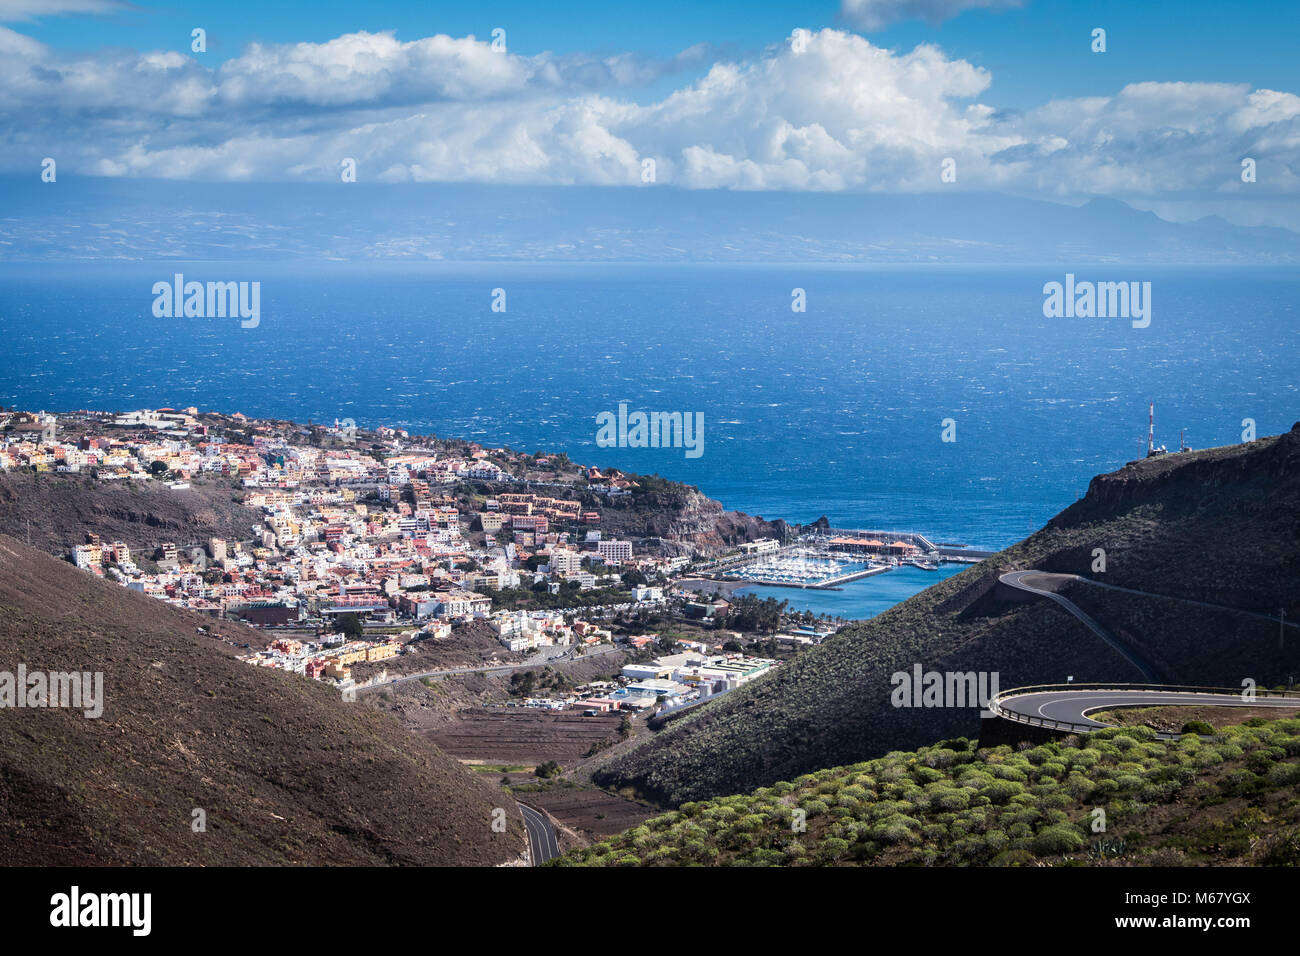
(857,599)
(803,568)
(835,557)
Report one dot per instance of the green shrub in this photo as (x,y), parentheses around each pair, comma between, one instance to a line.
(950,800)
(1054,768)
(1083,758)
(1240,782)
(813,808)
(832,849)
(794,853)
(1057,839)
(1000,791)
(1009,772)
(995,841)
(1283,849)
(1283,775)
(1263,759)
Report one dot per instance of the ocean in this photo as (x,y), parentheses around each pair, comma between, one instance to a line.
(839,410)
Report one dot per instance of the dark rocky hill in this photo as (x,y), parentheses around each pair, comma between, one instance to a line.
(1219,526)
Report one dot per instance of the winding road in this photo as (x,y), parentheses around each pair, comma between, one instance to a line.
(541,836)
(1053,707)
(1066,707)
(1033,581)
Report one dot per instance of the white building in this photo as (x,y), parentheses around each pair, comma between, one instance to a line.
(615,552)
(564,561)
(85,556)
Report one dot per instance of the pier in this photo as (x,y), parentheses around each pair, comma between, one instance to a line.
(833,583)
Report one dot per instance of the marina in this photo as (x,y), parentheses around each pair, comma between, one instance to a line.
(859,599)
(802,568)
(835,557)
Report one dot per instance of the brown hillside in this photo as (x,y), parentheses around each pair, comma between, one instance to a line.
(56,511)
(286,771)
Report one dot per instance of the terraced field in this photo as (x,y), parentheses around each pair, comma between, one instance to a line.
(518,735)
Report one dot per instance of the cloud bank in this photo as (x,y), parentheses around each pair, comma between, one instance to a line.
(821,111)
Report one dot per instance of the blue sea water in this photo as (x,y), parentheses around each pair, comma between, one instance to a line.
(859,599)
(834,411)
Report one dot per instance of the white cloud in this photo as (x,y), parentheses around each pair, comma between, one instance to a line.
(839,113)
(1159,138)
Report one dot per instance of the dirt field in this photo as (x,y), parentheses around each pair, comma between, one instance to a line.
(1171,719)
(593,814)
(518,735)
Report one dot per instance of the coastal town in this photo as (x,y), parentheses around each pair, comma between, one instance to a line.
(368,546)
(362,550)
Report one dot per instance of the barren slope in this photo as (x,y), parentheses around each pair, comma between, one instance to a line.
(286,772)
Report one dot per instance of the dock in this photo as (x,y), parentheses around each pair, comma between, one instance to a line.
(854,576)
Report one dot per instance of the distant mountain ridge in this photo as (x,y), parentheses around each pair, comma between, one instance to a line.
(86,218)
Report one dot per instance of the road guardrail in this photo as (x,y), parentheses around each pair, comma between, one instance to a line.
(1070,726)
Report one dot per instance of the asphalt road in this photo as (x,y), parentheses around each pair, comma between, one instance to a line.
(1032,582)
(541,836)
(1073,706)
(1271,618)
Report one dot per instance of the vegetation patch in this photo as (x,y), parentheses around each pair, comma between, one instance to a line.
(1115,797)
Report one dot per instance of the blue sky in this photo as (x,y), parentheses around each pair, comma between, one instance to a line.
(876,96)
